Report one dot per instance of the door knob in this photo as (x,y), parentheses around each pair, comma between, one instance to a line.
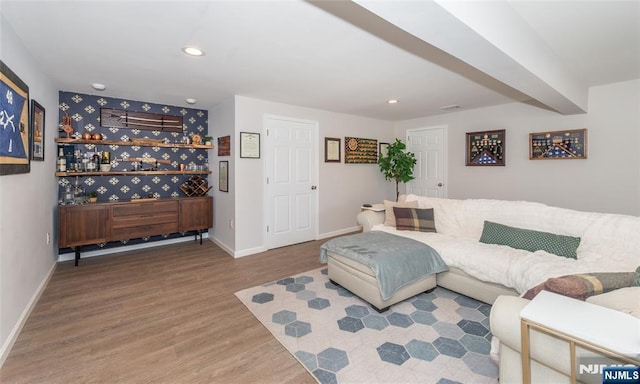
(313,187)
(439,184)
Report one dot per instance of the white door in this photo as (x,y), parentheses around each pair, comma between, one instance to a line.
(429,146)
(292,168)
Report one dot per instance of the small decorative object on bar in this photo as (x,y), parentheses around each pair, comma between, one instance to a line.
(558,145)
(67,124)
(486,148)
(14,113)
(196,139)
(37,131)
(208,140)
(93,196)
(195,186)
(332,150)
(224,146)
(140,120)
(223,176)
(249,145)
(360,151)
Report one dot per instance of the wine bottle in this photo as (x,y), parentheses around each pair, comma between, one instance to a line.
(62,161)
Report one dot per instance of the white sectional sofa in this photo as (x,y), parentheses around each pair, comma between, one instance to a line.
(498,274)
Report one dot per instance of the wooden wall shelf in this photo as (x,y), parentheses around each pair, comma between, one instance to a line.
(130,173)
(64,140)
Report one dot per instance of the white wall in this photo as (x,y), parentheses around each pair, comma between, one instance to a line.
(607,181)
(342,188)
(27,205)
(222,123)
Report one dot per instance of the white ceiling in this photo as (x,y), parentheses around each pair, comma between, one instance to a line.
(339,56)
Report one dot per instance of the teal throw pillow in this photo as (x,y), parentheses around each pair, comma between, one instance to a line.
(530,240)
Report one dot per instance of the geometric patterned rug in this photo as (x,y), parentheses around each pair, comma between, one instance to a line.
(441,337)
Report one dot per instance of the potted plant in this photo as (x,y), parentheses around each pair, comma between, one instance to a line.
(397,164)
(208,140)
(93,196)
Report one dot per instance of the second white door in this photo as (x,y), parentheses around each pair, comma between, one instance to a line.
(429,147)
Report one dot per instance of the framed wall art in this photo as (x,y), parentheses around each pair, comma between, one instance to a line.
(36,127)
(224,146)
(14,115)
(360,151)
(558,145)
(383,149)
(332,150)
(223,176)
(249,145)
(486,148)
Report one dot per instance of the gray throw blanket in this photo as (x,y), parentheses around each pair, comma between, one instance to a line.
(396,261)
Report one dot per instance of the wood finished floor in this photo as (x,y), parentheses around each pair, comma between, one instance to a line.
(158,315)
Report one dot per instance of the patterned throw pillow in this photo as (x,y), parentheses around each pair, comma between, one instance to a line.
(414,219)
(389,217)
(530,240)
(581,286)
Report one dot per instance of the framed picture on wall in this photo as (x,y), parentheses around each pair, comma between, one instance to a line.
(224,146)
(383,149)
(558,145)
(37,131)
(486,148)
(15,135)
(223,176)
(359,150)
(332,150)
(249,145)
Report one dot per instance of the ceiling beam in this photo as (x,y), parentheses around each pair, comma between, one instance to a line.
(486,42)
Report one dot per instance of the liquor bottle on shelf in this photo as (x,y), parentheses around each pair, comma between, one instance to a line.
(68,195)
(79,195)
(61,162)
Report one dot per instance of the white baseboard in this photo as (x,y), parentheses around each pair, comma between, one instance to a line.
(237,254)
(15,332)
(340,232)
(252,251)
(222,245)
(108,251)
(249,251)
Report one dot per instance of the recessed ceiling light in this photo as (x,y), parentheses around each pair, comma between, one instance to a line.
(193,51)
(392,101)
(190,101)
(98,86)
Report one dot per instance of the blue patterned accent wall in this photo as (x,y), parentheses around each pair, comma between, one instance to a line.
(85,111)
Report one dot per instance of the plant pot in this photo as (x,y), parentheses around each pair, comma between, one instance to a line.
(93,199)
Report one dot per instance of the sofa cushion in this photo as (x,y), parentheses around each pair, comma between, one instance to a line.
(623,300)
(389,216)
(582,286)
(414,219)
(530,240)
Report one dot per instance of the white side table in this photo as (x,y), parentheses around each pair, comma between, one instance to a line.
(373,207)
(602,330)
